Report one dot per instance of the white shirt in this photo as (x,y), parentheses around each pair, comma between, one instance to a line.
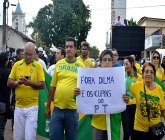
(50,70)
(119,23)
(42,63)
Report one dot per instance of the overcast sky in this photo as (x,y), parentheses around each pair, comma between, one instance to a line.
(100,14)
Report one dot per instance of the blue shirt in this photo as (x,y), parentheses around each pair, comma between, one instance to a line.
(117,65)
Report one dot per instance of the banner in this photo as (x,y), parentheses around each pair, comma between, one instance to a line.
(101,90)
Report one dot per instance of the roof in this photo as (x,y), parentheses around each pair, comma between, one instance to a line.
(18,8)
(143,19)
(19,33)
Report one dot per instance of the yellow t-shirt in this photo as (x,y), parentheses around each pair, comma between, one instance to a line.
(27,96)
(87,62)
(138,78)
(160,74)
(99,122)
(139,70)
(155,101)
(65,80)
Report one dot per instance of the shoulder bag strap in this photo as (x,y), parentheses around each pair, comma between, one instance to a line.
(147,107)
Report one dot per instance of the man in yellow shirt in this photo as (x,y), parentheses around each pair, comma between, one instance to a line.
(64,80)
(27,77)
(84,55)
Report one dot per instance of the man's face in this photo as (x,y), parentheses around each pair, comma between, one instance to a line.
(84,51)
(58,55)
(70,49)
(29,55)
(115,56)
(20,55)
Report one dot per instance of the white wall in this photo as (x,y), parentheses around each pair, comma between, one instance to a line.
(14,40)
(117,4)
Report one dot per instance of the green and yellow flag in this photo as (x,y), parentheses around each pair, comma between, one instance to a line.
(43,98)
(84,125)
(159,83)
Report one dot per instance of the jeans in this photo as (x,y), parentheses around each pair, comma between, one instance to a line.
(128,121)
(3,121)
(64,121)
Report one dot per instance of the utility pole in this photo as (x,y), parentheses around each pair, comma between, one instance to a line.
(4,44)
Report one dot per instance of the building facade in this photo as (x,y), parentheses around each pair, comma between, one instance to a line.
(18,20)
(118,8)
(154,34)
(15,39)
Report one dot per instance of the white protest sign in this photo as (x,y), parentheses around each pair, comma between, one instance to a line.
(101,90)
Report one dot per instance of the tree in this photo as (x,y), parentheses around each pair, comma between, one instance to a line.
(42,25)
(54,23)
(131,22)
(94,52)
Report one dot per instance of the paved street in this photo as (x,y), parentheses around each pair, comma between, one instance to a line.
(9,134)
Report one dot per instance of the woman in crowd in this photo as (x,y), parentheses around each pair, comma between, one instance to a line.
(142,90)
(129,113)
(156,61)
(4,92)
(99,128)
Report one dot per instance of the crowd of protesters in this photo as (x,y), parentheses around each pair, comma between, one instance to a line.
(24,77)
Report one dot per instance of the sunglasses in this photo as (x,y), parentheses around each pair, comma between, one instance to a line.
(148,71)
(156,57)
(107,59)
(28,54)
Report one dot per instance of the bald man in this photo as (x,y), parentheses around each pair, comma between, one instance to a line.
(27,77)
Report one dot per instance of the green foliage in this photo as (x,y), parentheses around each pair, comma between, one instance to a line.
(65,18)
(131,22)
(94,52)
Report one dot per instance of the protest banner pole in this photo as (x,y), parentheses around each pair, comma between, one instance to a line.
(108,121)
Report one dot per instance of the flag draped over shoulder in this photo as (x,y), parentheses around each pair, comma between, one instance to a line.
(129,81)
(43,98)
(159,83)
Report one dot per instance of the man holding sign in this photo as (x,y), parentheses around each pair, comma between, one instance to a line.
(98,96)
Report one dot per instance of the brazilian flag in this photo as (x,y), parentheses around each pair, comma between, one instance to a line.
(84,125)
(159,83)
(85,128)
(129,81)
(43,98)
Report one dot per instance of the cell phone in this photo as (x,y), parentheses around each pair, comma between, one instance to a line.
(27,77)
